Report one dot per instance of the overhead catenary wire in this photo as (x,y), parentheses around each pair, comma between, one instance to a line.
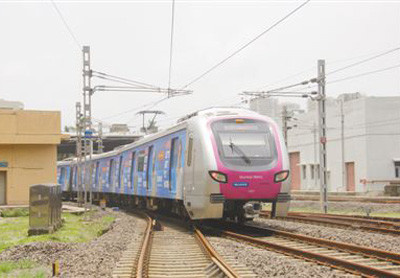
(364,60)
(375,56)
(363,74)
(134,82)
(120,81)
(246,45)
(66,24)
(133,109)
(171,43)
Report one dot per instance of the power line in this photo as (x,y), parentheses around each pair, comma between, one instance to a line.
(376,55)
(130,110)
(363,74)
(365,60)
(120,79)
(66,25)
(171,44)
(246,45)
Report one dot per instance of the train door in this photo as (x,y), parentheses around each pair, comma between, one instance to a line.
(173,164)
(2,187)
(189,173)
(132,173)
(149,168)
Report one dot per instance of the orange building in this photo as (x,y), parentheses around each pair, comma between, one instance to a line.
(28,152)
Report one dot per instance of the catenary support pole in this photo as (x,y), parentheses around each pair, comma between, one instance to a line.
(285,123)
(316,169)
(342,142)
(78,153)
(322,136)
(87,123)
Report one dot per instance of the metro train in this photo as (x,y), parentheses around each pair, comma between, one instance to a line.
(213,164)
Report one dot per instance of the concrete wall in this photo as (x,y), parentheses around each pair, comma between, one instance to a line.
(383,140)
(372,141)
(28,149)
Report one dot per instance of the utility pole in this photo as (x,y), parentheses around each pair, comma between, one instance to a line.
(285,118)
(342,142)
(87,123)
(100,138)
(79,151)
(322,136)
(315,155)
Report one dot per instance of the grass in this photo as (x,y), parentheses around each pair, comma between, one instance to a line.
(14,212)
(76,228)
(21,269)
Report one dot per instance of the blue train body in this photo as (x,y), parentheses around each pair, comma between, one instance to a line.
(154,168)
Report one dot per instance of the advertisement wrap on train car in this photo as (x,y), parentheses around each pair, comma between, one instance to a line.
(242,153)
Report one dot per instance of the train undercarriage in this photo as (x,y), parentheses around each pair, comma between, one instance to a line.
(234,210)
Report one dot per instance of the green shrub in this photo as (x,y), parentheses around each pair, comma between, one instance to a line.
(14,212)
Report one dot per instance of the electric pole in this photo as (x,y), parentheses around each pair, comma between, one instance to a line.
(322,135)
(87,122)
(78,151)
(342,142)
(285,123)
(100,138)
(315,155)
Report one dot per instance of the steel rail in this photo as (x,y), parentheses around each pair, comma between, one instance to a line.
(315,257)
(215,257)
(372,222)
(390,221)
(344,222)
(140,269)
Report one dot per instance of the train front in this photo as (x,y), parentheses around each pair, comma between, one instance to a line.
(251,165)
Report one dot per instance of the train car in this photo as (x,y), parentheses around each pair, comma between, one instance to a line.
(215,163)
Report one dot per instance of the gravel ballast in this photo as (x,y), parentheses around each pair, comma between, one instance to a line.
(348,235)
(96,258)
(348,207)
(265,263)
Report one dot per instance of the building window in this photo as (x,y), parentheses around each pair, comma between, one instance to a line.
(304,167)
(312,172)
(397,169)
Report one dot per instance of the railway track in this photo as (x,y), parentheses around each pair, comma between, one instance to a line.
(345,257)
(170,250)
(371,225)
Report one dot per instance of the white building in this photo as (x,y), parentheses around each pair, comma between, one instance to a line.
(271,107)
(371,144)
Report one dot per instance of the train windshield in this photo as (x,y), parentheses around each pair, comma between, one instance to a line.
(245,144)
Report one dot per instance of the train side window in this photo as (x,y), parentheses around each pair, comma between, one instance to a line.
(110,173)
(71,177)
(62,175)
(190,150)
(140,166)
(149,160)
(132,170)
(120,171)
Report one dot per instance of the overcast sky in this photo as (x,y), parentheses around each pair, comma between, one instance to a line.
(41,64)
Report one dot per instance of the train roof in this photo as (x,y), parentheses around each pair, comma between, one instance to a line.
(181,124)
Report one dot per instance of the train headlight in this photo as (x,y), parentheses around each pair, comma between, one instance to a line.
(281,176)
(218,176)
